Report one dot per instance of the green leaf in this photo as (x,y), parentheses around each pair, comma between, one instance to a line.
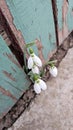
(41,73)
(25,69)
(52,62)
(30,44)
(25,63)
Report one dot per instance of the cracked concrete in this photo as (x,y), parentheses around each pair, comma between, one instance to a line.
(53,108)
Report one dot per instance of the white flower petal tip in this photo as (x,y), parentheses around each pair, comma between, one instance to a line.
(37,88)
(30,63)
(53,71)
(42,84)
(37,60)
(35,70)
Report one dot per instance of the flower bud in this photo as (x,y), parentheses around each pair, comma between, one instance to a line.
(30,63)
(35,70)
(31,51)
(37,61)
(53,71)
(37,88)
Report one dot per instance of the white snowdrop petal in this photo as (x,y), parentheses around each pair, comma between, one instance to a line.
(37,88)
(30,63)
(42,84)
(37,61)
(53,71)
(35,70)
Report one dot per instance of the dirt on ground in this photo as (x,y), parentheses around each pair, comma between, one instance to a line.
(53,108)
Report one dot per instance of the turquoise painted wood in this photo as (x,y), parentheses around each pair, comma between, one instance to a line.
(34,18)
(13,80)
(65,18)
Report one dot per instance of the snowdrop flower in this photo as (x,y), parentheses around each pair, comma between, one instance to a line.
(30,63)
(39,85)
(37,60)
(37,88)
(53,71)
(42,84)
(35,69)
(33,60)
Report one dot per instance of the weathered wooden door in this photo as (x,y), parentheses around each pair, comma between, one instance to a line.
(23,21)
(35,20)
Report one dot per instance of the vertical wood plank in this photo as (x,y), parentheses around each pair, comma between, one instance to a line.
(13,80)
(35,20)
(9,35)
(65,18)
(54,7)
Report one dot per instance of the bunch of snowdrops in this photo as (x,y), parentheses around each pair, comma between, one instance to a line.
(34,64)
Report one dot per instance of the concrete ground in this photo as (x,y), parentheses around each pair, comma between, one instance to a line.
(53,108)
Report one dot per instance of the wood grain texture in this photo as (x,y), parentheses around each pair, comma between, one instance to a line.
(65,18)
(9,36)
(8,19)
(4,35)
(54,7)
(13,80)
(35,20)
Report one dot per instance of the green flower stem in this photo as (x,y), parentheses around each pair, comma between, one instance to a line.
(30,44)
(50,62)
(25,61)
(35,77)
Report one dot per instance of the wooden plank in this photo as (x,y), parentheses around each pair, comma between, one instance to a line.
(7,22)
(54,7)
(13,80)
(35,20)
(9,36)
(65,18)
(4,35)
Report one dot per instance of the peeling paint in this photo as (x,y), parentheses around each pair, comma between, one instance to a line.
(14,46)
(64,18)
(40,47)
(6,12)
(9,75)
(32,25)
(51,53)
(11,57)
(63,33)
(13,80)
(7,93)
(13,69)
